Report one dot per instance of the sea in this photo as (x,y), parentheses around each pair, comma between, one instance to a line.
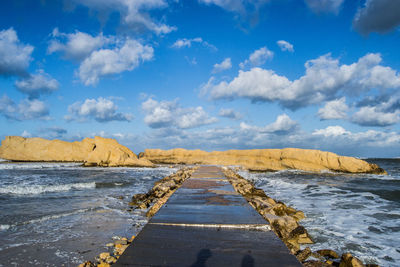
(62,214)
(54,214)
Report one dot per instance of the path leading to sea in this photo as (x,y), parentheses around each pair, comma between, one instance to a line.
(206,223)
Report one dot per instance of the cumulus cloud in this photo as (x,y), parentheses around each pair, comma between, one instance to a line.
(283,125)
(377,16)
(106,62)
(26,110)
(258,57)
(37,84)
(134,14)
(371,140)
(182,43)
(323,80)
(76,46)
(331,131)
(166,114)
(101,110)
(372,116)
(285,46)
(226,64)
(334,110)
(14,55)
(229,113)
(325,6)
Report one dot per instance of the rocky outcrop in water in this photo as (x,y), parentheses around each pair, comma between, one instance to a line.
(97,151)
(265,159)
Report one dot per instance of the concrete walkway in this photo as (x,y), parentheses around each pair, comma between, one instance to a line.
(206,223)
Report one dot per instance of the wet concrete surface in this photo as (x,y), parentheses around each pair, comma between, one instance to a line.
(206,223)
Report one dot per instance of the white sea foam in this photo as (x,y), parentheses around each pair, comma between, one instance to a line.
(45,218)
(36,165)
(40,189)
(338,218)
(4,227)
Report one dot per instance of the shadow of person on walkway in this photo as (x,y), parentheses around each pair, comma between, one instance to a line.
(202,257)
(247,261)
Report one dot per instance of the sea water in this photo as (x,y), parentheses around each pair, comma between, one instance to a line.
(356,213)
(55,214)
(63,214)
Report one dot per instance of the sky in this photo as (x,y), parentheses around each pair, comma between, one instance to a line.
(204,74)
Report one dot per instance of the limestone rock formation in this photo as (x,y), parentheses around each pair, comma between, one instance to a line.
(96,151)
(265,159)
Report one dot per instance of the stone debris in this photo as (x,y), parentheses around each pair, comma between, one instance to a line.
(106,259)
(161,191)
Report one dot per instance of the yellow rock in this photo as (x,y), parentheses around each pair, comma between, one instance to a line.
(265,159)
(133,237)
(95,151)
(103,264)
(104,255)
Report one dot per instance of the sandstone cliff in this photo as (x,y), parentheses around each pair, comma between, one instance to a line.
(96,151)
(265,159)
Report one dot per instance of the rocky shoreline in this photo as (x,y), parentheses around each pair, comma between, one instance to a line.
(284,221)
(106,152)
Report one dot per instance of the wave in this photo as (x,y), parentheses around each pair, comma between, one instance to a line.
(37,165)
(40,189)
(45,218)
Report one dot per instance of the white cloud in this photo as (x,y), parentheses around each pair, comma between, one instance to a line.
(106,62)
(334,110)
(283,125)
(323,80)
(331,131)
(101,110)
(377,16)
(325,6)
(285,46)
(134,14)
(182,43)
(229,113)
(37,84)
(76,46)
(26,134)
(258,57)
(226,64)
(14,55)
(247,9)
(166,114)
(372,116)
(25,110)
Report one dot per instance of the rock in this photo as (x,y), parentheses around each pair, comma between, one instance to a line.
(95,151)
(130,240)
(303,254)
(87,264)
(103,264)
(315,263)
(266,159)
(119,249)
(104,256)
(121,242)
(349,260)
(328,253)
(110,260)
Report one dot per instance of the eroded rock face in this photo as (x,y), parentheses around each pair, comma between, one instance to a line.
(265,159)
(96,151)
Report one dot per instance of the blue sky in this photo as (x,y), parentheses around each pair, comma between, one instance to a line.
(204,74)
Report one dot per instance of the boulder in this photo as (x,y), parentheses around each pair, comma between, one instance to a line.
(265,159)
(95,151)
